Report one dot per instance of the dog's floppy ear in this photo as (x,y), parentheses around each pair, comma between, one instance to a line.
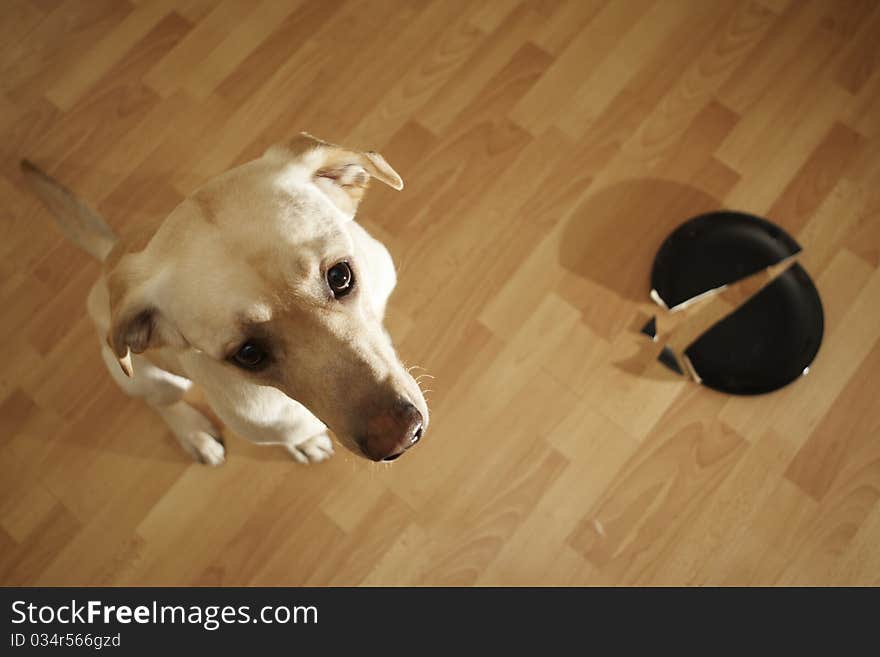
(342,173)
(136,324)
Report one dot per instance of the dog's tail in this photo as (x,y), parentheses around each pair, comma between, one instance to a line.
(82,225)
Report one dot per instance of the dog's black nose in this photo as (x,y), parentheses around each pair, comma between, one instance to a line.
(392,432)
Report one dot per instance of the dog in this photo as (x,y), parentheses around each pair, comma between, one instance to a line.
(261,289)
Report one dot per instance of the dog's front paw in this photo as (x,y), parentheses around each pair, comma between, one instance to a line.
(194,432)
(203,447)
(206,448)
(313,450)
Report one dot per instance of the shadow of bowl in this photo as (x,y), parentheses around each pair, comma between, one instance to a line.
(610,241)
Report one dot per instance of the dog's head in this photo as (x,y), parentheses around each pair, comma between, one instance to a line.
(262,275)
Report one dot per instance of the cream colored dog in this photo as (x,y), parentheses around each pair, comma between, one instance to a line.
(261,289)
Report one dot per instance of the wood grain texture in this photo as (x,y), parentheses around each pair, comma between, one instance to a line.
(547,147)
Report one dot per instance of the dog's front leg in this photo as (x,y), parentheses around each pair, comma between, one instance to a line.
(194,431)
(264,414)
(164,392)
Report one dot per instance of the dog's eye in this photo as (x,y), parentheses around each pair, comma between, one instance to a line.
(249,356)
(340,279)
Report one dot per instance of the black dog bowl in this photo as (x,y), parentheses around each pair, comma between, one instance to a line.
(773,337)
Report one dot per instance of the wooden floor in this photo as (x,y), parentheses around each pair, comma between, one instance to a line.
(547,148)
